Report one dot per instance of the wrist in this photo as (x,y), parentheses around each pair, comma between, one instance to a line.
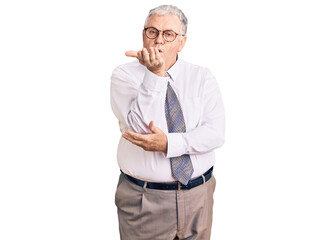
(161,73)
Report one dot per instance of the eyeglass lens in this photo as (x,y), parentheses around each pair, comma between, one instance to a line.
(168,35)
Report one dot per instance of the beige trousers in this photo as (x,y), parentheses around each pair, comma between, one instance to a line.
(150,214)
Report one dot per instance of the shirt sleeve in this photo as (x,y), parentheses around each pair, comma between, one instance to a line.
(136,101)
(209,134)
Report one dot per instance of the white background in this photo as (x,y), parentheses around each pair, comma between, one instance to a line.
(275,63)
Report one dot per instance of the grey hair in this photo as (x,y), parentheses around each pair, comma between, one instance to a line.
(170,9)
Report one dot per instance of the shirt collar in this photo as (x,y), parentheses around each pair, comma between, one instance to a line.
(173,71)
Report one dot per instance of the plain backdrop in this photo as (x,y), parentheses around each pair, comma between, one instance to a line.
(275,64)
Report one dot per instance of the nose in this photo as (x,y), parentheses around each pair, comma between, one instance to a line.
(159,39)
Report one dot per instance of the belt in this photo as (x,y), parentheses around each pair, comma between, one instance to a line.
(173,185)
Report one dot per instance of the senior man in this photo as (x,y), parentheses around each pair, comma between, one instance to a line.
(172,118)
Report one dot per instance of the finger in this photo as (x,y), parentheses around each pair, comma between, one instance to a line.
(152,56)
(151,126)
(145,56)
(136,136)
(140,57)
(154,128)
(131,54)
(129,137)
(141,143)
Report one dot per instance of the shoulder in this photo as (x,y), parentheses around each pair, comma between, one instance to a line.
(203,72)
(194,68)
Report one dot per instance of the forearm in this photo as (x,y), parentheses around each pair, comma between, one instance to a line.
(197,141)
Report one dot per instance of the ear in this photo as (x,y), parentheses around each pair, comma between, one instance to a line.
(182,43)
(143,34)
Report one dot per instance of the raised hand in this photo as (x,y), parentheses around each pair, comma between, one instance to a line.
(150,58)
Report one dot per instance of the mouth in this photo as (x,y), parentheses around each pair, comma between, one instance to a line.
(160,51)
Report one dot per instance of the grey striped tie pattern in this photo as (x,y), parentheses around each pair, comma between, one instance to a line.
(181,166)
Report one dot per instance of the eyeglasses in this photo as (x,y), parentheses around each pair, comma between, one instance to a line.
(168,35)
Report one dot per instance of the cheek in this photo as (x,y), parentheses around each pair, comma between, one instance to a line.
(173,50)
(147,42)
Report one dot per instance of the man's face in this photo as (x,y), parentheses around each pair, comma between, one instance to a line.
(168,50)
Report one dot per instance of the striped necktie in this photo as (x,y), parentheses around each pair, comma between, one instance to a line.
(181,166)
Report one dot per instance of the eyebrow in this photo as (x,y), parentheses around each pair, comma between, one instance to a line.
(162,30)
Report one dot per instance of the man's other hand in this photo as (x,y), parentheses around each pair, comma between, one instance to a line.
(151,58)
(154,142)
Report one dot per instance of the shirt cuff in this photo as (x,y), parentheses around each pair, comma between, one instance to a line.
(154,82)
(176,146)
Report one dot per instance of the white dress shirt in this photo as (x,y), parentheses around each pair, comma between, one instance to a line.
(138,97)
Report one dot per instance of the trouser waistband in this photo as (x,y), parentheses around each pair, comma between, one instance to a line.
(173,185)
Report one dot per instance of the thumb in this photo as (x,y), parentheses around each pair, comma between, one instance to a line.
(152,127)
(131,53)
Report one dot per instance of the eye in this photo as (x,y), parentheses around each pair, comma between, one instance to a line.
(169,34)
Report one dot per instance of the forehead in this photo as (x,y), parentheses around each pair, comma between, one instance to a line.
(164,22)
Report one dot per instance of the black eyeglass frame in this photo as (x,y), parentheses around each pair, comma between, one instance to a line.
(176,34)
